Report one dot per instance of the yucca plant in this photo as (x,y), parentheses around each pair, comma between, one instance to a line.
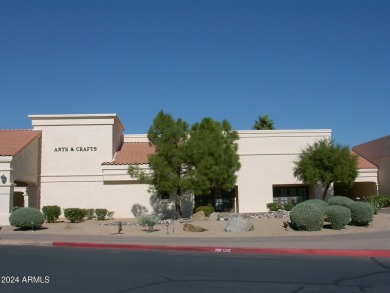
(149,220)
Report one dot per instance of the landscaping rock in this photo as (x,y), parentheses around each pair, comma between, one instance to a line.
(279,214)
(239,225)
(199,216)
(193,228)
(214,216)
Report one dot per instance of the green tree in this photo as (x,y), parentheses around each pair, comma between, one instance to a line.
(168,165)
(324,163)
(263,123)
(212,149)
(189,160)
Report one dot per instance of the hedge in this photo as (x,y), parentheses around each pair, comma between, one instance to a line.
(74,214)
(51,213)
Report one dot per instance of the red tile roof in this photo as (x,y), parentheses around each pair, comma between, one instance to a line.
(363,163)
(13,141)
(132,153)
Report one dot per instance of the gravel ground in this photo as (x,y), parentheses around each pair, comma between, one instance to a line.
(262,227)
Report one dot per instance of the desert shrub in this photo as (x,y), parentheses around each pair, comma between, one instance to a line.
(149,220)
(338,216)
(208,210)
(340,201)
(307,217)
(362,213)
(51,213)
(74,214)
(318,203)
(385,199)
(273,206)
(101,214)
(26,218)
(288,206)
(376,202)
(89,213)
(137,210)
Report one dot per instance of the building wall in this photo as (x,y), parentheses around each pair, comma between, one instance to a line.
(378,152)
(6,190)
(384,176)
(114,197)
(73,149)
(267,159)
(75,146)
(26,164)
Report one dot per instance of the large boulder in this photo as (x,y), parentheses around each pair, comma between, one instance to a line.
(239,225)
(193,228)
(199,216)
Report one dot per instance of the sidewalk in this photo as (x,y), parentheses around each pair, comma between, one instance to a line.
(270,238)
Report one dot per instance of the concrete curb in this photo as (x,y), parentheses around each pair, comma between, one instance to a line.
(234,250)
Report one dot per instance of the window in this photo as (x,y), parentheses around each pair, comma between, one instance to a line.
(290,194)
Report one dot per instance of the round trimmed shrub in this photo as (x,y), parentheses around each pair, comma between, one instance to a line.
(26,218)
(340,201)
(51,213)
(362,213)
(307,217)
(320,204)
(338,216)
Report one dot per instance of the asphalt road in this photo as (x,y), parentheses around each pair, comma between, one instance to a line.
(53,269)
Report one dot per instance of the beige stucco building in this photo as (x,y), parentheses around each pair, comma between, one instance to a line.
(82,160)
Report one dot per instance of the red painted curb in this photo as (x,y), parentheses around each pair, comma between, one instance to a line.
(297,251)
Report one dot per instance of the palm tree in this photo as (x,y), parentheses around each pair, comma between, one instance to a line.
(263,123)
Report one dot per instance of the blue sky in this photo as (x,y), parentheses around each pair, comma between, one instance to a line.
(307,64)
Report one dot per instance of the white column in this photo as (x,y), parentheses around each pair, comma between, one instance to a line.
(6,202)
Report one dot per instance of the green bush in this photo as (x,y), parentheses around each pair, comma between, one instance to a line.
(362,213)
(340,201)
(307,217)
(318,203)
(288,206)
(89,213)
(101,214)
(74,214)
(385,199)
(208,210)
(51,213)
(149,220)
(26,218)
(338,216)
(273,206)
